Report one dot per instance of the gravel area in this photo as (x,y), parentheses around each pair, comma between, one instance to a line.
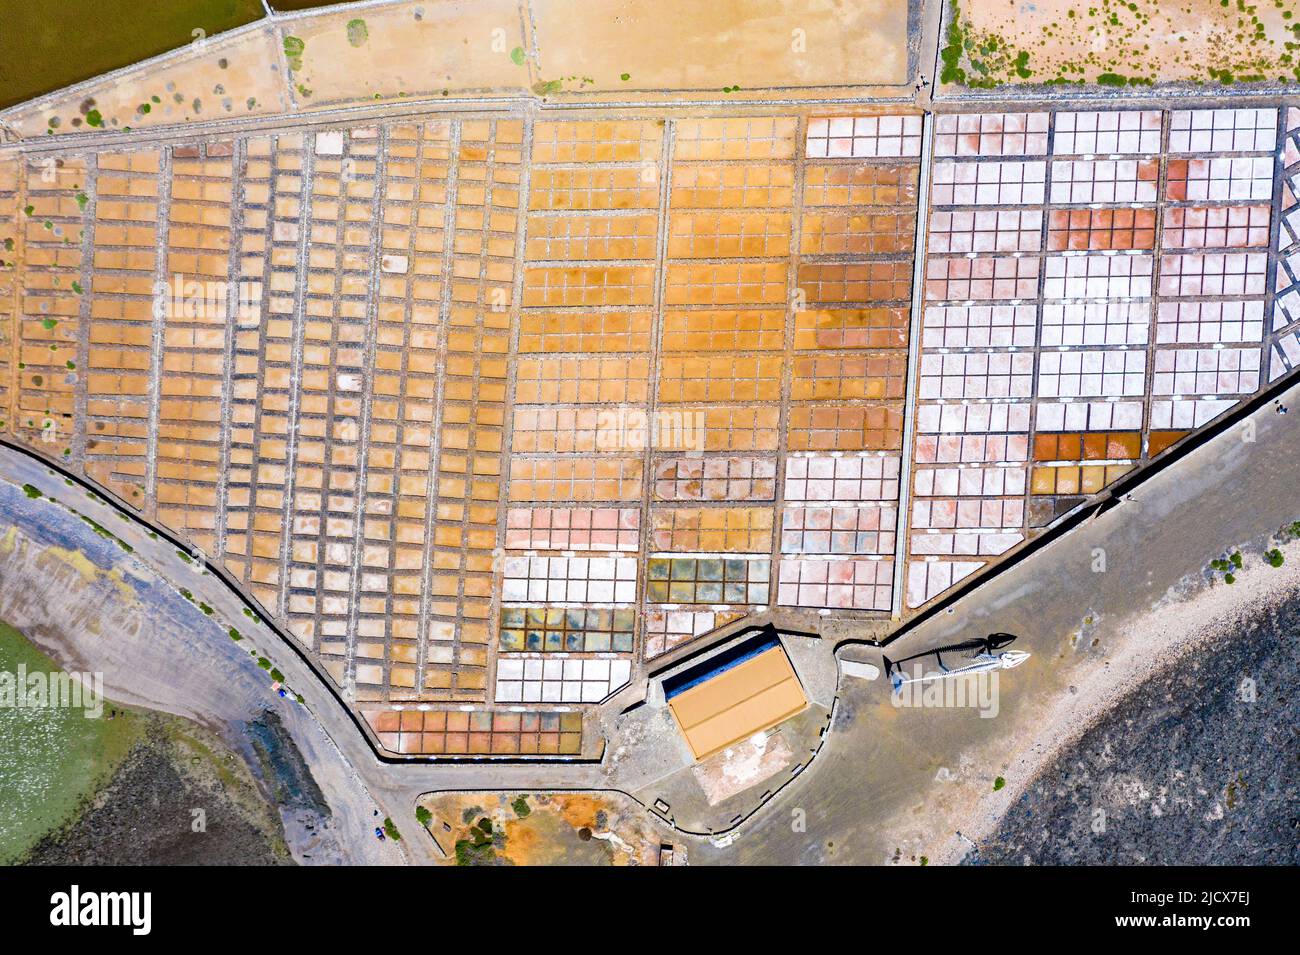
(1190,768)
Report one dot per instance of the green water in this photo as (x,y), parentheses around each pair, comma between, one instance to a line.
(285,6)
(49,44)
(50,758)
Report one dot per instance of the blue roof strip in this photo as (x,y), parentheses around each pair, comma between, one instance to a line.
(676,685)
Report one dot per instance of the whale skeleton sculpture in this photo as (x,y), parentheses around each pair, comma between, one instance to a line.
(983,654)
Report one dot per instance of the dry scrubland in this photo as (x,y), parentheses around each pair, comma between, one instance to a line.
(630,49)
(988,43)
(501,828)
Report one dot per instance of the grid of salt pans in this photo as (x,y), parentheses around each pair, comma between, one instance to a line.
(1186,414)
(1217,227)
(1192,322)
(839,523)
(872,477)
(985,230)
(554,679)
(981,279)
(598,580)
(1206,371)
(1216,202)
(837,584)
(572,528)
(864,137)
(1211,273)
(1095,323)
(1097,276)
(1076,181)
(991,134)
(1092,374)
(846,529)
(969,527)
(984,372)
(1222,130)
(985,418)
(1089,416)
(976,375)
(1285,353)
(1220,178)
(1107,132)
(667,629)
(978,326)
(988,183)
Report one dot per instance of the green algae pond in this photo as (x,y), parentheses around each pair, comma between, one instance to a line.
(51,758)
(46,46)
(286,6)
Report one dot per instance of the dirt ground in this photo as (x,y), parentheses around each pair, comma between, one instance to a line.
(1120,42)
(541,829)
(733,47)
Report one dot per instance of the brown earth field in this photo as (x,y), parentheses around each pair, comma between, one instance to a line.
(988,43)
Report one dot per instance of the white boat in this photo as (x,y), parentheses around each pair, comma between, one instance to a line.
(985,655)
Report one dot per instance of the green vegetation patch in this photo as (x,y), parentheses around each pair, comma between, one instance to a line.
(1228,566)
(979,60)
(358,34)
(481,846)
(294,47)
(475,852)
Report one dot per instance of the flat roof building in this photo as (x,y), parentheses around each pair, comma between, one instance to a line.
(729,698)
